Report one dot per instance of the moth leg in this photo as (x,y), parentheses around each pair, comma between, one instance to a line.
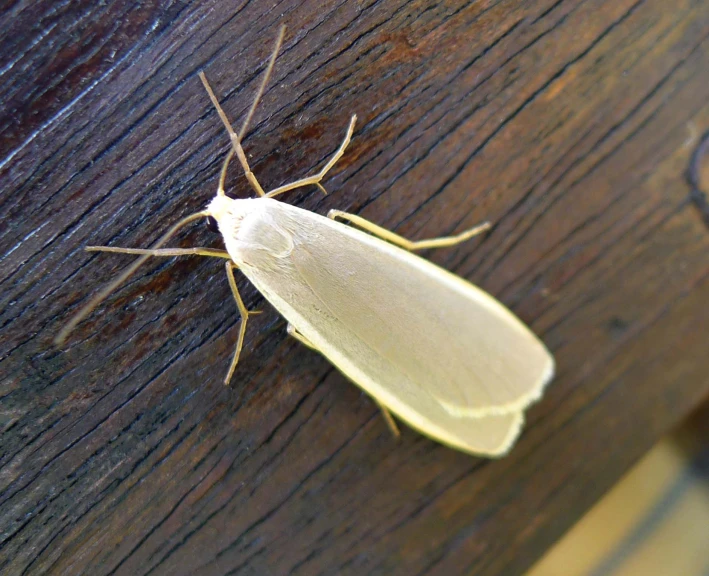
(316,178)
(212,252)
(293,331)
(235,140)
(389,419)
(243,312)
(87,308)
(411,245)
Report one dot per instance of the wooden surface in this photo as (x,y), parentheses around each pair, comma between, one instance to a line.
(569,124)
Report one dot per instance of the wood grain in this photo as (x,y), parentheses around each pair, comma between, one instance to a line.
(569,124)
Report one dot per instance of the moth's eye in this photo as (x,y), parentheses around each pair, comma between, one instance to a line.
(212,224)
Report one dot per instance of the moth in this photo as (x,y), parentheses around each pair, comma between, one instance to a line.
(428,346)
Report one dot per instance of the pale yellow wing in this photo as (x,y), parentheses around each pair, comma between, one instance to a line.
(437,351)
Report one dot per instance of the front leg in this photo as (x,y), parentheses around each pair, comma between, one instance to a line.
(388,418)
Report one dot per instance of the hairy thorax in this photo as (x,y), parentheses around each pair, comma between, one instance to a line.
(249,229)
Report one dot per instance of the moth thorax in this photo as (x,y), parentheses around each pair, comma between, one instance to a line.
(228,213)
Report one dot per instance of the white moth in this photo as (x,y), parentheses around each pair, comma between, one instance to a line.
(439,353)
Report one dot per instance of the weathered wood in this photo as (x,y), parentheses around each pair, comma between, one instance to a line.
(568,124)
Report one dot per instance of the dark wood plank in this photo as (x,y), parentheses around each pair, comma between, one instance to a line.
(568,124)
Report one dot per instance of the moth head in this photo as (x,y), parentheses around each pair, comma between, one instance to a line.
(220,209)
(229,213)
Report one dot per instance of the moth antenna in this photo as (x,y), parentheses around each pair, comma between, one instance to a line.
(122,277)
(222,176)
(264,81)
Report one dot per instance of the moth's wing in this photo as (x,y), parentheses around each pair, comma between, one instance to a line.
(439,332)
(491,436)
(434,349)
